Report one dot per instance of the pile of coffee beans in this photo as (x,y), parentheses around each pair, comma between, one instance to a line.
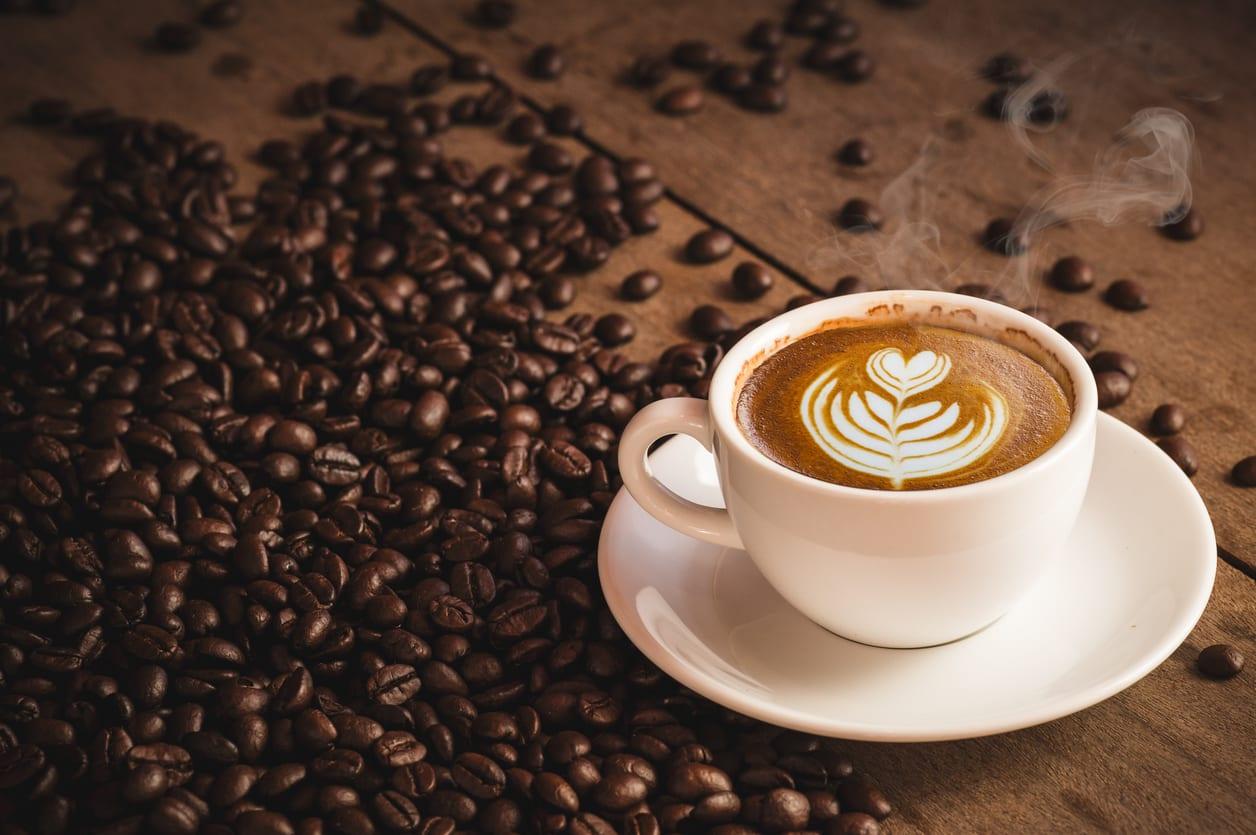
(300,492)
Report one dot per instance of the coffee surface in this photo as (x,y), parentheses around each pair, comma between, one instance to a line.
(901,406)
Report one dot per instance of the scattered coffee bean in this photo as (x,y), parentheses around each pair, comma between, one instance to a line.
(614,329)
(710,322)
(695,55)
(764,98)
(1083,334)
(525,129)
(855,153)
(859,215)
(1115,361)
(681,101)
(640,285)
(309,99)
(1113,387)
(1006,68)
(770,70)
(1168,419)
(1244,472)
(731,78)
(495,14)
(1185,226)
(563,120)
(1001,236)
(1048,107)
(546,62)
(1220,661)
(751,279)
(848,284)
(1072,274)
(1126,294)
(855,66)
(222,14)
(765,35)
(1182,452)
(177,37)
(649,71)
(470,67)
(823,56)
(839,29)
(708,246)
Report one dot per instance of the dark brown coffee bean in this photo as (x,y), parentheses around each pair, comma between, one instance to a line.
(855,66)
(614,329)
(495,14)
(1126,294)
(470,67)
(850,284)
(859,794)
(553,790)
(1080,333)
(751,279)
(393,684)
(730,78)
(640,285)
(859,215)
(546,62)
(177,37)
(368,20)
(855,153)
(1168,419)
(309,99)
(784,809)
(708,246)
(710,322)
(1186,226)
(853,823)
(1003,237)
(1182,452)
(764,98)
(1072,274)
(1220,661)
(695,55)
(1244,472)
(765,35)
(681,101)
(1006,68)
(1114,388)
(1115,361)
(648,71)
(222,14)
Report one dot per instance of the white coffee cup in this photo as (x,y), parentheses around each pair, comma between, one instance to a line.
(893,568)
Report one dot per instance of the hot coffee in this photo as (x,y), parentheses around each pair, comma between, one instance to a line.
(901,406)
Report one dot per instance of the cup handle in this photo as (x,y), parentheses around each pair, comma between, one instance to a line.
(675,415)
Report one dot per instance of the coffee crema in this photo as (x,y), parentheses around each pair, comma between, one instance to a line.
(901,406)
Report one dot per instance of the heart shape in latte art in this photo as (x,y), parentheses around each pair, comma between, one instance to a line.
(884,434)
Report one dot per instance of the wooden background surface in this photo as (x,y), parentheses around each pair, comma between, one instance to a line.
(1174,752)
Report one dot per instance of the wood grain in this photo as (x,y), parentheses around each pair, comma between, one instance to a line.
(774,180)
(1170,753)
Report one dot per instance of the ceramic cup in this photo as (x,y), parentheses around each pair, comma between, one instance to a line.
(891,568)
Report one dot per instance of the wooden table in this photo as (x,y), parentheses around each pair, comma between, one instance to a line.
(1173,753)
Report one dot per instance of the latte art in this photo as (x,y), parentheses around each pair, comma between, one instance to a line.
(888,435)
(901,406)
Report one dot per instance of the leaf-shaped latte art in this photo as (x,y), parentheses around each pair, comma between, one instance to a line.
(883,434)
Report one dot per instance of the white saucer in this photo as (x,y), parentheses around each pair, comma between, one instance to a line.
(1135,577)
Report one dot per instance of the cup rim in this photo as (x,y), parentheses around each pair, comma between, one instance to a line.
(723,390)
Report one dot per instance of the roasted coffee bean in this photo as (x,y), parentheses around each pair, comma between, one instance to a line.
(1220,661)
(855,153)
(859,215)
(1168,419)
(1126,294)
(695,55)
(1115,361)
(708,246)
(640,285)
(546,62)
(1006,68)
(1182,452)
(221,14)
(859,794)
(1080,333)
(393,684)
(1184,226)
(850,284)
(177,37)
(614,329)
(751,279)
(853,823)
(648,71)
(1244,472)
(1114,388)
(563,120)
(470,67)
(681,101)
(855,66)
(495,14)
(309,99)
(765,98)
(730,78)
(1003,237)
(1072,274)
(765,35)
(709,321)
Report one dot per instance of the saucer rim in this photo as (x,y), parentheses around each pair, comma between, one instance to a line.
(1175,632)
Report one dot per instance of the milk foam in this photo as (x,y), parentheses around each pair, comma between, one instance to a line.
(887,435)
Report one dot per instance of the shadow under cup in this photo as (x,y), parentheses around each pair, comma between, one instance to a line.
(905,568)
